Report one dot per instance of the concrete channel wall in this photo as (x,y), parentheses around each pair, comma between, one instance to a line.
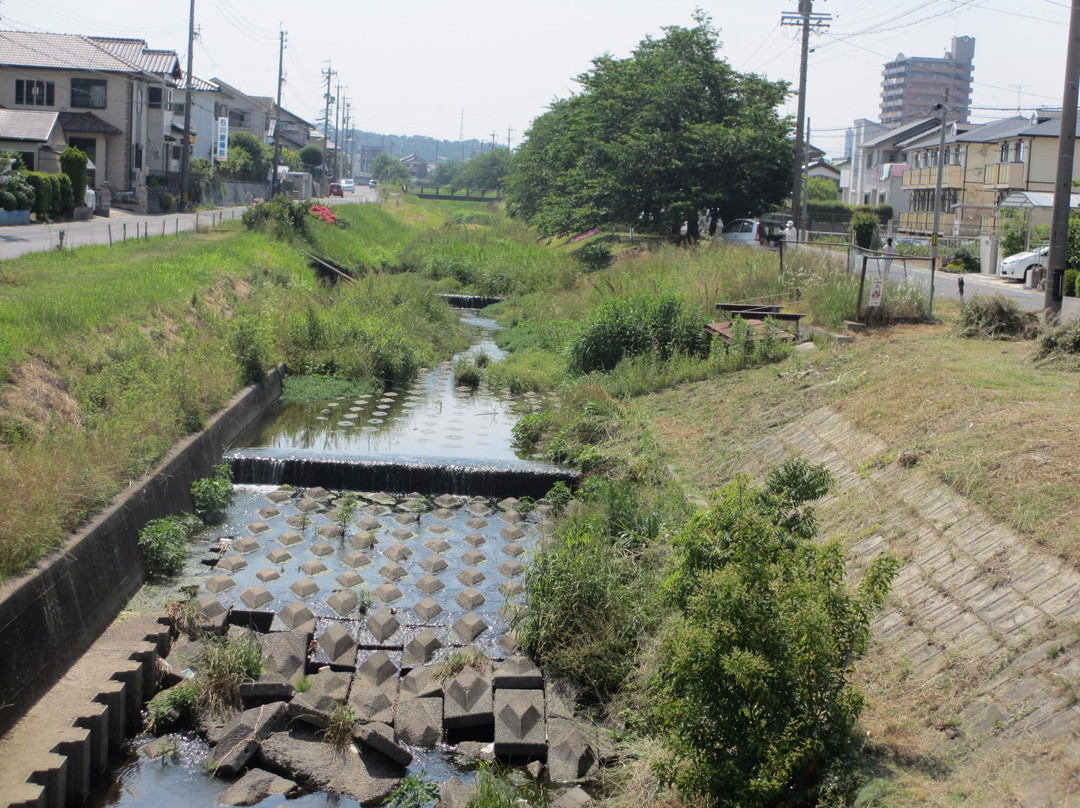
(51,615)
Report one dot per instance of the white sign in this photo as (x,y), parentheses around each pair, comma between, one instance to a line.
(221,147)
(875,293)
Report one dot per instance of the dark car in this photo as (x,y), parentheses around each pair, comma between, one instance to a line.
(336,189)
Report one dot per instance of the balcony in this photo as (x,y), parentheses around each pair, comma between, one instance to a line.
(1003,175)
(916,178)
(923,222)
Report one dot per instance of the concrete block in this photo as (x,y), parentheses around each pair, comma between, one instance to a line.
(519,722)
(322,549)
(387,593)
(427,608)
(349,579)
(434,564)
(420,683)
(240,739)
(279,556)
(290,538)
(304,587)
(418,722)
(429,584)
(470,626)
(469,598)
(455,794)
(338,646)
(569,755)
(381,738)
(343,602)
(420,649)
(95,718)
(437,545)
(231,564)
(518,673)
(467,700)
(52,777)
(471,576)
(512,533)
(474,557)
(383,625)
(219,583)
(313,568)
(297,616)
(355,559)
(75,744)
(474,539)
(256,596)
(393,571)
(575,797)
(379,670)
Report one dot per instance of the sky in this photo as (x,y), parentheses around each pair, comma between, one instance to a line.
(487,69)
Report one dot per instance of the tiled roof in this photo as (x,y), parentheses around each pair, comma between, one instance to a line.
(76,52)
(63,51)
(87,122)
(901,132)
(25,124)
(995,130)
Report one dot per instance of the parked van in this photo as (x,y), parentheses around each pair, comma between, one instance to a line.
(752,233)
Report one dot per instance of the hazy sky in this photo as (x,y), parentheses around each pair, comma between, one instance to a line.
(412,66)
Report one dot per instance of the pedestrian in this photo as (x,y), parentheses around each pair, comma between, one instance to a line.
(791,235)
(888,251)
(960,289)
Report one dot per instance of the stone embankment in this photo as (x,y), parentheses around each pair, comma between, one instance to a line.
(974,676)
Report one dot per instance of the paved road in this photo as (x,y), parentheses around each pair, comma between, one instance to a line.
(22,239)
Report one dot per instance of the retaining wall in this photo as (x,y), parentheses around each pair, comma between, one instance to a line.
(50,615)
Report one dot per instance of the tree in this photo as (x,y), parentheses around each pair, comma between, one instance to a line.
(446,173)
(311,157)
(487,171)
(390,170)
(292,160)
(249,158)
(653,139)
(755,699)
(821,189)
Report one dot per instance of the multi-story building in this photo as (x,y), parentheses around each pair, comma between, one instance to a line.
(113,97)
(912,85)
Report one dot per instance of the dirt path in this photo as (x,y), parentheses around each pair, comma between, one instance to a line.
(974,678)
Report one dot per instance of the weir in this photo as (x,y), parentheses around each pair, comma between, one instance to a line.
(397,473)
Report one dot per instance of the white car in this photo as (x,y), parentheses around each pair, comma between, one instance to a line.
(348,186)
(1019,265)
(751,233)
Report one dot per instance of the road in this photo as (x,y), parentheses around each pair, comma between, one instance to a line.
(121,225)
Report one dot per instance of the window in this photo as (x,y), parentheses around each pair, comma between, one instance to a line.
(176,152)
(1018,152)
(35,93)
(1003,153)
(88,93)
(154,97)
(239,119)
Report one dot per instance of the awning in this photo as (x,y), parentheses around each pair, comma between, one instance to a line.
(1035,199)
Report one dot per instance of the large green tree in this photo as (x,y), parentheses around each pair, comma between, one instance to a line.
(655,138)
(486,171)
(390,170)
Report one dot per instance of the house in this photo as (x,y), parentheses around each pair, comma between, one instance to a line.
(983,164)
(416,164)
(113,97)
(36,135)
(881,162)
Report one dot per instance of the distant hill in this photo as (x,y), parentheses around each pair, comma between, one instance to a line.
(421,145)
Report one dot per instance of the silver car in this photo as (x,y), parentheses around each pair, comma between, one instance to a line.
(751,233)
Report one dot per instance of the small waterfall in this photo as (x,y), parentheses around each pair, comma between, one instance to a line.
(470,301)
(397,473)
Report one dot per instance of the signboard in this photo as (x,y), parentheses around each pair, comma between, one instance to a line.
(875,293)
(221,147)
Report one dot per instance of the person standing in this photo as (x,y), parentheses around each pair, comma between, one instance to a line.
(791,235)
(888,251)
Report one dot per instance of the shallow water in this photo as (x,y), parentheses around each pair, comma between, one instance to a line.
(432,417)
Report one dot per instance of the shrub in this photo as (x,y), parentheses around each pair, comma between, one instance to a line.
(62,199)
(595,256)
(865,227)
(163,542)
(993,317)
(753,692)
(965,259)
(168,202)
(212,495)
(7,200)
(43,193)
(1070,282)
(280,216)
(466,373)
(73,163)
(640,325)
(339,727)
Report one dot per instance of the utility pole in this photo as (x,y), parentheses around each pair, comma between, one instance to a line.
(348,137)
(937,199)
(1059,227)
(328,74)
(337,132)
(185,148)
(805,19)
(804,175)
(274,187)
(509,131)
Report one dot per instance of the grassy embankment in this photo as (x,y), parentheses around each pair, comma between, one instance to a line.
(110,355)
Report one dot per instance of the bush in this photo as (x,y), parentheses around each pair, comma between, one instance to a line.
(865,227)
(223,666)
(1070,282)
(414,792)
(280,216)
(43,194)
(753,692)
(640,325)
(73,163)
(466,373)
(168,202)
(64,201)
(7,200)
(993,317)
(212,495)
(163,544)
(18,185)
(965,259)
(595,256)
(1064,340)
(174,708)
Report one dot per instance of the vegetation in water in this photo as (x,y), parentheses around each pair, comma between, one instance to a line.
(212,495)
(415,791)
(175,708)
(164,543)
(222,667)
